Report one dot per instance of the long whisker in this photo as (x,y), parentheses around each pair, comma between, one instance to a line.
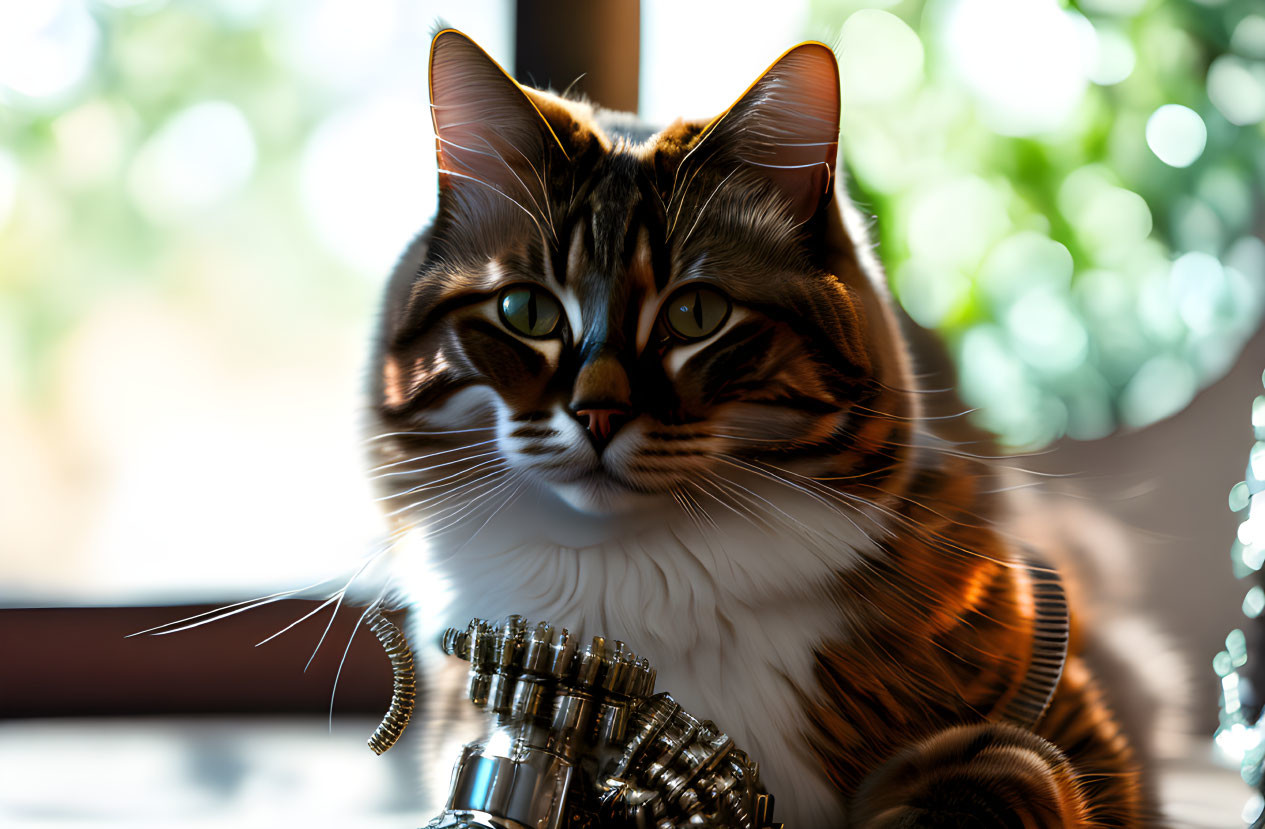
(433,433)
(339,673)
(432,455)
(398,473)
(707,516)
(464,509)
(724,503)
(224,612)
(810,531)
(341,594)
(301,619)
(918,529)
(843,509)
(466,488)
(440,481)
(504,503)
(688,505)
(757,470)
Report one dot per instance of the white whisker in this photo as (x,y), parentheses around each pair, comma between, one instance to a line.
(398,473)
(339,673)
(465,489)
(341,594)
(434,433)
(440,481)
(504,503)
(257,602)
(300,620)
(464,509)
(432,455)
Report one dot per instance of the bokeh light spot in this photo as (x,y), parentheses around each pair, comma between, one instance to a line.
(880,57)
(930,292)
(1113,220)
(1239,495)
(994,377)
(1248,38)
(1254,602)
(46,48)
(334,41)
(368,180)
(955,221)
(199,158)
(1027,63)
(1047,333)
(1199,290)
(1162,387)
(1023,262)
(1256,470)
(1176,134)
(1253,808)
(1114,57)
(1236,646)
(1237,89)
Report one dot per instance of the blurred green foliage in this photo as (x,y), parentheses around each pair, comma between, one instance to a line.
(1069,194)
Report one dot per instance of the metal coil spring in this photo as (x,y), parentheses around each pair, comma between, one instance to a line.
(404,691)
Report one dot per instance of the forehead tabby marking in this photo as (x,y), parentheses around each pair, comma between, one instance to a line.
(566,292)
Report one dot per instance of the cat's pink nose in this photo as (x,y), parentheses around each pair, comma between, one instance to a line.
(602,423)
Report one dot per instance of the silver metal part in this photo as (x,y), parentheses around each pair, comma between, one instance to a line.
(580,740)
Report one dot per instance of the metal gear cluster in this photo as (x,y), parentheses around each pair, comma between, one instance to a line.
(579,739)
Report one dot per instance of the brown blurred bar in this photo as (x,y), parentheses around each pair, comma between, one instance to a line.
(77,662)
(558,41)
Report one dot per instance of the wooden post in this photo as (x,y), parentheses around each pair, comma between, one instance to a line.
(595,41)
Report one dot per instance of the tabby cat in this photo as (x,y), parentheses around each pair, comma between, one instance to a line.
(651,384)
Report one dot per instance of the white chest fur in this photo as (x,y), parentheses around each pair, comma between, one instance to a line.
(729,615)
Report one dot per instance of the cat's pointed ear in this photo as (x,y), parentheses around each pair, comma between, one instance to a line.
(787,125)
(489,133)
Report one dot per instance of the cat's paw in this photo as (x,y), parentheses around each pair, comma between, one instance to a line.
(979,775)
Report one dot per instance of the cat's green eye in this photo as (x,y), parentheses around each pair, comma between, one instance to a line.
(696,312)
(530,311)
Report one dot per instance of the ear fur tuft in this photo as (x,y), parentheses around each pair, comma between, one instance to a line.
(489,132)
(787,125)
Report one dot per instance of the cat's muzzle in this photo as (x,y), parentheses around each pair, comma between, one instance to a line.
(580,740)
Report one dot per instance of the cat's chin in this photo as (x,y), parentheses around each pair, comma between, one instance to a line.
(599,496)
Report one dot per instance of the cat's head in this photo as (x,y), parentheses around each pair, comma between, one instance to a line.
(631,323)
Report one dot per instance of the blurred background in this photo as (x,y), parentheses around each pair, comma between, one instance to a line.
(200,201)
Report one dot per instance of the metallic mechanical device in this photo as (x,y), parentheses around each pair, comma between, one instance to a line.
(579,740)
